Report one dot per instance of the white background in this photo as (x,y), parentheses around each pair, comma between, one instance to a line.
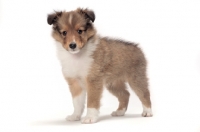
(35,97)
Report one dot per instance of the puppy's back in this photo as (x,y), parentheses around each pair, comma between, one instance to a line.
(119,57)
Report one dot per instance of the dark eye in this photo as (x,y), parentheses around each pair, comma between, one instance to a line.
(79,31)
(64,33)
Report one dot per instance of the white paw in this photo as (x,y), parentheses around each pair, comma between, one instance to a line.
(147,112)
(118,113)
(73,117)
(91,116)
(89,120)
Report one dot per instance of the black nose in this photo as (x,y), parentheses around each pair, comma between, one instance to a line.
(72,45)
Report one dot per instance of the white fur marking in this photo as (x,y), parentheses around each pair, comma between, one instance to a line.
(79,103)
(70,18)
(74,39)
(119,112)
(91,117)
(147,112)
(78,64)
(74,51)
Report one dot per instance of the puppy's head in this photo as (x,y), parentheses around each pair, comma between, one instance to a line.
(72,29)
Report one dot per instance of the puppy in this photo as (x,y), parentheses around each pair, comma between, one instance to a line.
(90,62)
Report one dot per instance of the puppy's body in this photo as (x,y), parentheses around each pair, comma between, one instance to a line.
(90,62)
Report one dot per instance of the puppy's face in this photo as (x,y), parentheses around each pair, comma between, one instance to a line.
(72,29)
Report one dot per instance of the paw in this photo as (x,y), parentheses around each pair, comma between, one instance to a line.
(73,118)
(89,120)
(118,112)
(147,112)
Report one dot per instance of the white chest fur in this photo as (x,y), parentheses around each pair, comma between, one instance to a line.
(76,65)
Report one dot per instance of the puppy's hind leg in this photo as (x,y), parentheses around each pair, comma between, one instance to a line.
(139,84)
(118,89)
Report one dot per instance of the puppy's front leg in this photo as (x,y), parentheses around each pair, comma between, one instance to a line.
(94,91)
(78,95)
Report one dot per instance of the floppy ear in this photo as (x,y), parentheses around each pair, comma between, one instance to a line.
(88,14)
(52,18)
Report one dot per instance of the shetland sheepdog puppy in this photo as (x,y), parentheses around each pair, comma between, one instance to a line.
(91,62)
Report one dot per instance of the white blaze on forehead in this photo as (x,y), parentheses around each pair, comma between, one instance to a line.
(74,40)
(70,18)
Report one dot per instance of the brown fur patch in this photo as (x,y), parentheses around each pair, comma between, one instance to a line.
(118,89)
(94,91)
(74,87)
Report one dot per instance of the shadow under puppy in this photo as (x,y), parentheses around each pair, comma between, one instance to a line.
(90,62)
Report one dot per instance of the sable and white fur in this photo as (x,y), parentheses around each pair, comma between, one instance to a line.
(90,62)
